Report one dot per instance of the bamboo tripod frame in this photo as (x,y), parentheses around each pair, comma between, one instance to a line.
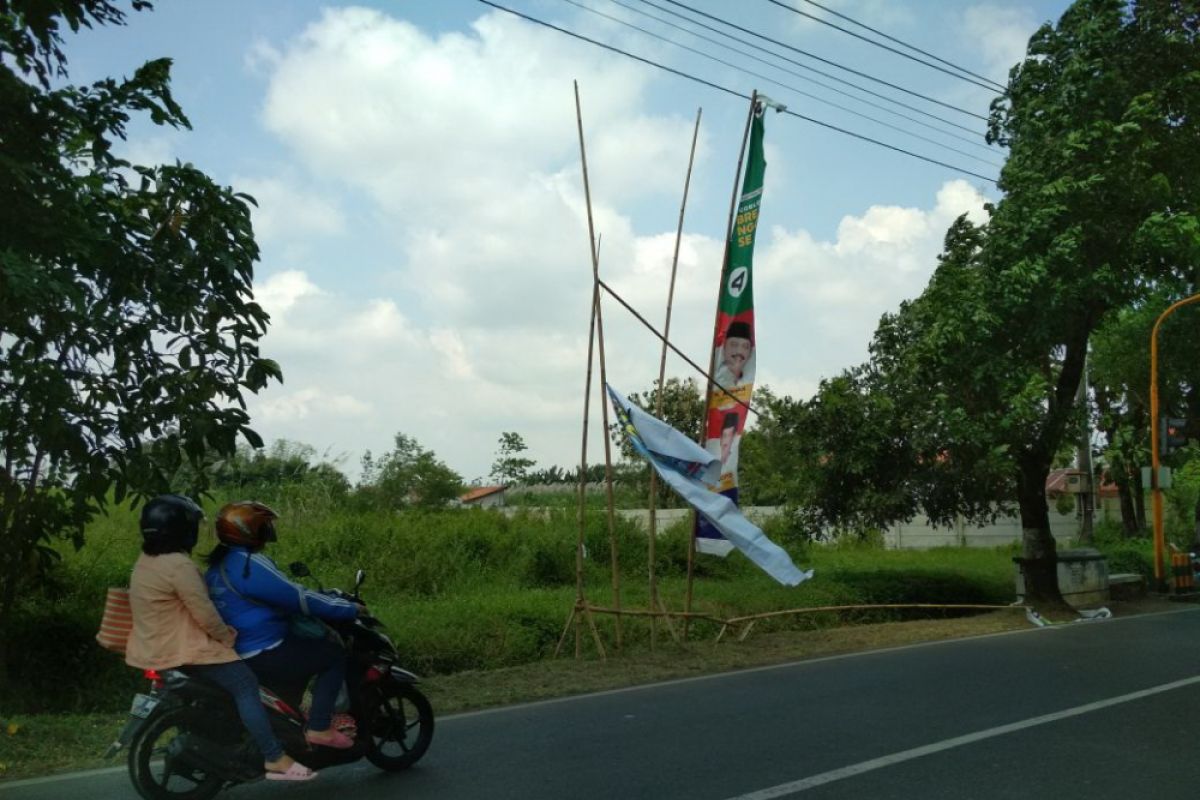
(582,611)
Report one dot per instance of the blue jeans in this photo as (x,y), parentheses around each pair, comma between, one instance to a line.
(287,668)
(237,679)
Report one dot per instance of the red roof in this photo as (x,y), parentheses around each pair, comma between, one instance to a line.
(480,492)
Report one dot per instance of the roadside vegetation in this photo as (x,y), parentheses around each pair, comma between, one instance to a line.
(129,341)
(476,601)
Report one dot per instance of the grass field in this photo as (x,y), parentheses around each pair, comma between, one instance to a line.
(470,593)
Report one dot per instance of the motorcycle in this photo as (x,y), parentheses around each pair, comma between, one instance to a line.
(186,741)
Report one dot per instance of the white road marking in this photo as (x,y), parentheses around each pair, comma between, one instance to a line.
(795,787)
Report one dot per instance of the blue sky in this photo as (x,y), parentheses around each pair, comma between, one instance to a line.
(421,207)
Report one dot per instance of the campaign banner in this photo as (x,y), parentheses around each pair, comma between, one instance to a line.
(734,342)
(690,470)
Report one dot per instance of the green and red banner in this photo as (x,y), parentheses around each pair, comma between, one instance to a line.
(734,343)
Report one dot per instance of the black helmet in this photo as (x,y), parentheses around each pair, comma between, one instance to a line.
(170,524)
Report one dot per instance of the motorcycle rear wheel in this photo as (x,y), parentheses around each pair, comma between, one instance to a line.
(402,728)
(157,774)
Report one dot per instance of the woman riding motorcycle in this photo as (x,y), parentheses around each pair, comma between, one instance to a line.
(176,625)
(254,597)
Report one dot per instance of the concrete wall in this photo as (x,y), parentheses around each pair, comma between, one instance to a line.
(915,535)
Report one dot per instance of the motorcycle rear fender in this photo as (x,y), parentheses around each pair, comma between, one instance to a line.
(402,675)
(132,726)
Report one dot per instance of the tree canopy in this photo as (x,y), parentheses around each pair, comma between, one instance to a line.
(970,388)
(128,329)
(408,476)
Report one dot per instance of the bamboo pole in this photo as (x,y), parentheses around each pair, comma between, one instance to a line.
(662,372)
(599,317)
(587,395)
(637,612)
(750,619)
(566,630)
(712,352)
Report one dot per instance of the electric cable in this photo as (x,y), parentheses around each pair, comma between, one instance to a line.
(783,85)
(974,142)
(863,25)
(733,92)
(851,70)
(883,46)
(804,66)
(728,392)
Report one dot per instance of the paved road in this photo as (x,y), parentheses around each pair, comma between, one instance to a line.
(1088,710)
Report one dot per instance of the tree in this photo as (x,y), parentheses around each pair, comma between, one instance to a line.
(510,466)
(128,330)
(1101,198)
(409,476)
(764,460)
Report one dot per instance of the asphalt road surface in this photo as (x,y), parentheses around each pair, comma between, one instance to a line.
(1106,709)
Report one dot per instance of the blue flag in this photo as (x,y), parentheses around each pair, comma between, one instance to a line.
(691,471)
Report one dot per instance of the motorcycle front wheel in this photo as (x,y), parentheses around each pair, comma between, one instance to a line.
(401,728)
(156,765)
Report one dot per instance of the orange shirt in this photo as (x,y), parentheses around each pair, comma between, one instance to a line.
(174,621)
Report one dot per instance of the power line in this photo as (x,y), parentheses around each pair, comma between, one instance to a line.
(804,66)
(828,61)
(727,90)
(973,142)
(990,86)
(783,85)
(863,25)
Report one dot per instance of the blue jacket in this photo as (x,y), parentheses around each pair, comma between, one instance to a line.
(260,616)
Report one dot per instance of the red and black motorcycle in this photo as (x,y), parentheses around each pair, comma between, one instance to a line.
(186,741)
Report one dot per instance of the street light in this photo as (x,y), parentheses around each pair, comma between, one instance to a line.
(1155,491)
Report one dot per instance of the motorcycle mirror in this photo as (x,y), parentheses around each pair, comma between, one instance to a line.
(299,569)
(359,577)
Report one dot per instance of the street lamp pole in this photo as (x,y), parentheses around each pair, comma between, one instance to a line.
(1155,489)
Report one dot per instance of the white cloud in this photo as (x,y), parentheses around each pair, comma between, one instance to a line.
(148,151)
(468,143)
(286,209)
(279,292)
(366,371)
(1001,32)
(309,403)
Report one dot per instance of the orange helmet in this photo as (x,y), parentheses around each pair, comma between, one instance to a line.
(246,523)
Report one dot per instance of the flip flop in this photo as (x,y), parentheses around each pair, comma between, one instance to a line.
(331,738)
(296,772)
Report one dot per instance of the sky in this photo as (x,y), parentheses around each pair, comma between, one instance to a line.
(421,207)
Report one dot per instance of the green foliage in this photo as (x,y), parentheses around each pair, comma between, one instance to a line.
(970,389)
(467,588)
(128,330)
(1182,501)
(408,476)
(765,459)
(510,466)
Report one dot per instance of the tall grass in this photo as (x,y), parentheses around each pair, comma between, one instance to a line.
(470,589)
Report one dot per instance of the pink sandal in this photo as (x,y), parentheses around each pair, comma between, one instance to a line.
(330,738)
(296,772)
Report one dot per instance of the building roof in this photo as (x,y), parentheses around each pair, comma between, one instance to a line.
(480,492)
(1056,482)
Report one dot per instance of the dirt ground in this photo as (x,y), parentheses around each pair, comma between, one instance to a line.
(669,660)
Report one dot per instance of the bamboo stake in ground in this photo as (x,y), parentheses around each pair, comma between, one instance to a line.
(597,313)
(579,543)
(655,603)
(737,188)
